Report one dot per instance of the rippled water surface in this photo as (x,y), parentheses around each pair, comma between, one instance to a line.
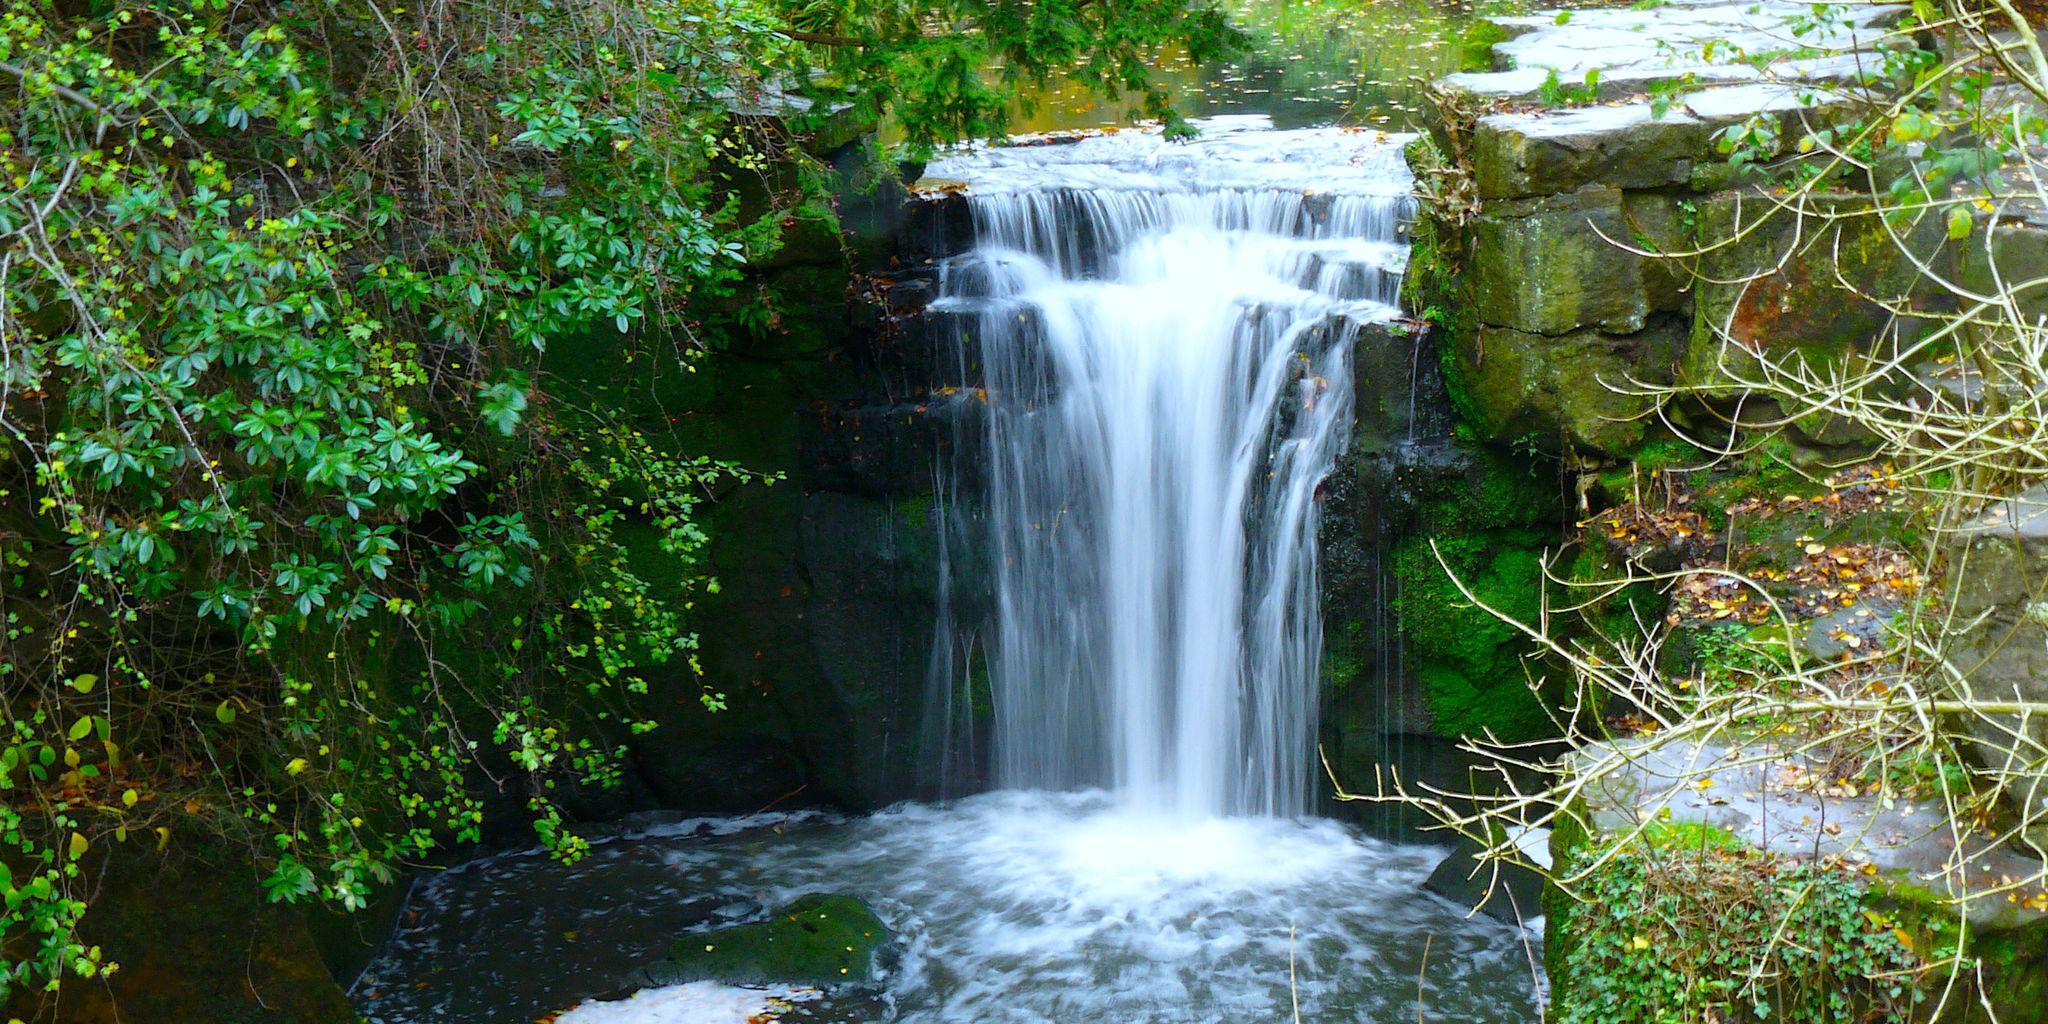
(1009,907)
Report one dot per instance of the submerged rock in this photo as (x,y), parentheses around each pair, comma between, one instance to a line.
(1507,892)
(817,939)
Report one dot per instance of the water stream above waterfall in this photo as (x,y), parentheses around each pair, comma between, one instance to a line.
(1163,332)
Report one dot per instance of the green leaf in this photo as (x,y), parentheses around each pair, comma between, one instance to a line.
(84,683)
(225,712)
(505,402)
(1959,222)
(79,844)
(80,729)
(290,881)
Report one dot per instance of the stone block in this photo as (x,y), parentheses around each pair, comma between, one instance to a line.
(1659,223)
(2014,258)
(1551,152)
(1566,391)
(1999,567)
(1559,265)
(1813,286)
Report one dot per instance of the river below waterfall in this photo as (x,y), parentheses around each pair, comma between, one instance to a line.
(1024,907)
(1165,332)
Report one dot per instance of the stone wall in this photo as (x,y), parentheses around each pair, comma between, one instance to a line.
(1551,272)
(1607,257)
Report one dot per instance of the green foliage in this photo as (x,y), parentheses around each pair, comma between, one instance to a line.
(277,399)
(948,69)
(1555,93)
(1730,658)
(1694,927)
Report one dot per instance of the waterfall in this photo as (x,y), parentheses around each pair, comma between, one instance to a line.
(1164,333)
(1145,366)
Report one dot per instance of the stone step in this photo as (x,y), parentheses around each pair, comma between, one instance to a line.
(1629,145)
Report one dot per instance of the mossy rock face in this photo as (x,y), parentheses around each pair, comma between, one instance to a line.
(2011,947)
(1548,266)
(1487,528)
(820,632)
(1800,310)
(195,942)
(1557,392)
(818,939)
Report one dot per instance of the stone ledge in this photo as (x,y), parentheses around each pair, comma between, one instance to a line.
(1628,146)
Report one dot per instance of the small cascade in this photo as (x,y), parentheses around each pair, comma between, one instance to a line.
(1164,333)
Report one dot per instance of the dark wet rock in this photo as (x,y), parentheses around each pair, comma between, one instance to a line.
(1507,892)
(935,225)
(924,352)
(195,942)
(883,449)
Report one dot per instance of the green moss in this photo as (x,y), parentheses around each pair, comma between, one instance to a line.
(1493,703)
(1469,660)
(1569,838)
(815,940)
(914,513)
(1618,613)
(1668,453)
(2010,952)
(1344,656)
(1772,469)
(1475,45)
(1691,837)
(1440,622)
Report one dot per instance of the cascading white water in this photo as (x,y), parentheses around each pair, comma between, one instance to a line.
(1165,330)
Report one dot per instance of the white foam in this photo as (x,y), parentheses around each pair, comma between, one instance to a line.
(1015,907)
(696,1002)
